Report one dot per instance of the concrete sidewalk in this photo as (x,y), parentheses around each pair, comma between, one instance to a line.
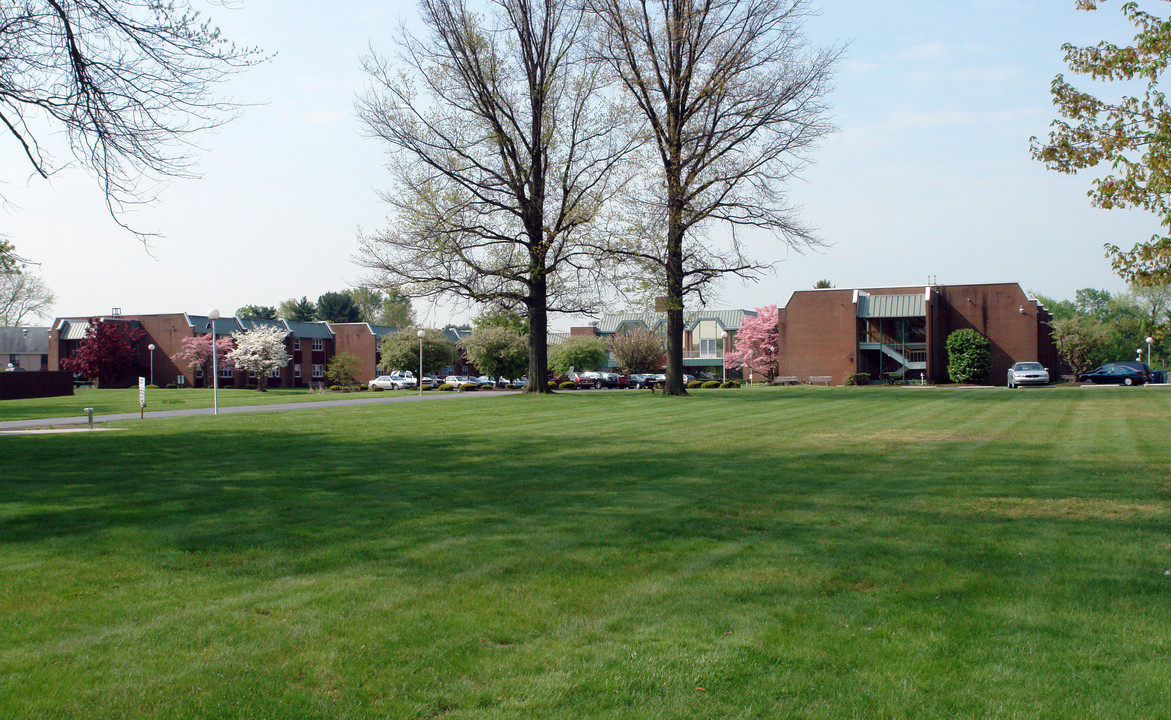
(15,426)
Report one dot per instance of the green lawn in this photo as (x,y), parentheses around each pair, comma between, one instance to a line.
(788,553)
(122,400)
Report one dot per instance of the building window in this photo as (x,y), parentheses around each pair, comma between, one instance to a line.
(296,344)
(274,373)
(225,372)
(297,371)
(318,344)
(318,371)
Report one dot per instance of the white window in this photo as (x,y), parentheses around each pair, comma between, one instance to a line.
(318,344)
(297,371)
(225,372)
(296,344)
(274,373)
(318,371)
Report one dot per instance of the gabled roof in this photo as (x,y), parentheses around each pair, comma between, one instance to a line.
(24,341)
(313,330)
(728,319)
(381,331)
(253,324)
(201,324)
(454,334)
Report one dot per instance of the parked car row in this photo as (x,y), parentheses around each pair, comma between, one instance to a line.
(395,381)
(1125,372)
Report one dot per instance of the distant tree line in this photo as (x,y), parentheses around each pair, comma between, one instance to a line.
(360,304)
(1098,326)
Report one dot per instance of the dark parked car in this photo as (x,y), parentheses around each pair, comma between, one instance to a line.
(1118,373)
(645,380)
(595,379)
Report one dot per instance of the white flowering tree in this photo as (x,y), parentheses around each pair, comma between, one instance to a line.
(260,351)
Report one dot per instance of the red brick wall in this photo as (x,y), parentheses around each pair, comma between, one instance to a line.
(358,340)
(818,329)
(818,335)
(995,311)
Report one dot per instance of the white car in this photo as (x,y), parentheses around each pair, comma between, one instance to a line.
(395,381)
(458,380)
(1027,373)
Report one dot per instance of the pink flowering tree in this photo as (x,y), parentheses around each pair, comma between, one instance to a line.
(196,353)
(757,344)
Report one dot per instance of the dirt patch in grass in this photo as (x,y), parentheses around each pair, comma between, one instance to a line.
(1064,508)
(892,436)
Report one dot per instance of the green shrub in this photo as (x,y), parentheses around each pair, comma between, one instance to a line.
(509,386)
(858,379)
(375,388)
(552,385)
(428,386)
(710,384)
(332,388)
(568,385)
(172,386)
(444,387)
(694,384)
(730,384)
(487,386)
(969,356)
(468,387)
(152,386)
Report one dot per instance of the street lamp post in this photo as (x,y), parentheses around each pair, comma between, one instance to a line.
(724,345)
(214,315)
(151,347)
(1149,341)
(421,335)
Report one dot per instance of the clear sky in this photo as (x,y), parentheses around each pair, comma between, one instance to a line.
(929,175)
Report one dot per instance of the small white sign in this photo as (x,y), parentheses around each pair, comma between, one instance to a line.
(142,392)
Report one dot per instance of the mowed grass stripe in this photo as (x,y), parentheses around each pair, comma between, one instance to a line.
(802,552)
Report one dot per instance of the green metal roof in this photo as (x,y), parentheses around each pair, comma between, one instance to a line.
(381,331)
(253,324)
(728,319)
(223,325)
(71,330)
(75,329)
(315,330)
(884,306)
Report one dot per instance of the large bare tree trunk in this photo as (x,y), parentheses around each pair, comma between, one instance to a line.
(538,347)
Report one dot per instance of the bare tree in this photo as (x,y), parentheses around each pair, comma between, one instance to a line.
(22,296)
(502,155)
(733,100)
(129,81)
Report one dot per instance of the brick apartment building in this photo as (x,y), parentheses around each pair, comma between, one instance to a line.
(824,333)
(836,332)
(310,346)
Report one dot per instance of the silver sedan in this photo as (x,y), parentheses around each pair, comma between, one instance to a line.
(1027,373)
